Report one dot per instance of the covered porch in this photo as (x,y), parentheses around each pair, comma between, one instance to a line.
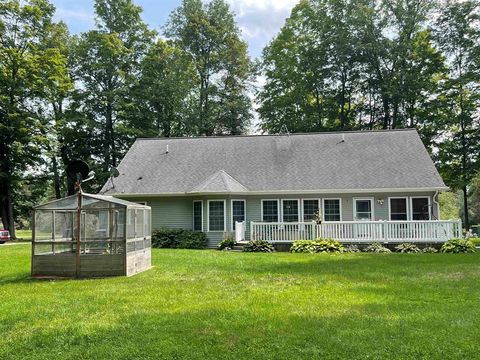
(384,231)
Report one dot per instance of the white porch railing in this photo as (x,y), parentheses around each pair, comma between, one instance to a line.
(359,231)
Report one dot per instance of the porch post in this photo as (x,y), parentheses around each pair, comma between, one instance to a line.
(384,231)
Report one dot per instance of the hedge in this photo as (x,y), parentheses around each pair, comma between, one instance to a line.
(178,239)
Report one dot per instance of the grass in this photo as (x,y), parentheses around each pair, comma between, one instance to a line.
(222,305)
(25,235)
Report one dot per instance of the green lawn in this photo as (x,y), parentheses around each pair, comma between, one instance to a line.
(221,305)
(24,235)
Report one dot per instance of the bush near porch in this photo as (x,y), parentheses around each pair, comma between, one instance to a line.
(178,239)
(220,305)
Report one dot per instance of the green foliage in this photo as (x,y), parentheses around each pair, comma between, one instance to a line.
(207,32)
(303,246)
(449,205)
(377,248)
(429,249)
(178,239)
(227,243)
(458,246)
(316,246)
(106,62)
(475,240)
(342,64)
(407,248)
(31,68)
(458,36)
(258,246)
(163,92)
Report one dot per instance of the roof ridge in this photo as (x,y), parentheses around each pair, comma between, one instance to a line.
(279,135)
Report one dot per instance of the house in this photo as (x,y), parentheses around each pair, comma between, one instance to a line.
(364,185)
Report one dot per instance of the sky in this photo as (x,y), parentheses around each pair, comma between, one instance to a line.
(259,20)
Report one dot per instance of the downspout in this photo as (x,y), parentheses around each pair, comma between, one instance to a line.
(435,201)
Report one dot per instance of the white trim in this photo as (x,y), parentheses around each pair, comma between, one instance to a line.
(224,215)
(298,209)
(323,207)
(244,211)
(278,210)
(319,201)
(429,206)
(193,215)
(372,207)
(292,192)
(406,205)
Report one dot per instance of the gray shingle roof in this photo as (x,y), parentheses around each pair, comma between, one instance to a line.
(376,160)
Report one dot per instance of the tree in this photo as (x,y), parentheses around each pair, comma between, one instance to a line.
(344,64)
(57,89)
(163,92)
(27,64)
(106,61)
(449,205)
(458,35)
(210,37)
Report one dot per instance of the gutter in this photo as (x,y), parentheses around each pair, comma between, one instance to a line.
(286,192)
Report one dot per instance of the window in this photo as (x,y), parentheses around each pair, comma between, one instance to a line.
(310,209)
(198,215)
(238,212)
(420,208)
(332,210)
(398,209)
(290,210)
(363,209)
(270,210)
(216,215)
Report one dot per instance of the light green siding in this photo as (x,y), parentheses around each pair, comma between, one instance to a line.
(177,212)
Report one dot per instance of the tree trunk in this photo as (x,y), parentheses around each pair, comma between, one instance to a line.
(386,112)
(56,178)
(6,208)
(108,137)
(466,220)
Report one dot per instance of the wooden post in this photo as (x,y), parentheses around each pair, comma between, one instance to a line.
(33,242)
(79,213)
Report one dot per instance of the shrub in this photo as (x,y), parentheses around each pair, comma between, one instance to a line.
(227,243)
(458,246)
(328,245)
(303,246)
(407,248)
(377,248)
(429,249)
(316,246)
(258,246)
(352,249)
(475,241)
(178,239)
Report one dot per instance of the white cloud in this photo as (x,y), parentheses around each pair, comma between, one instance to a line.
(80,16)
(260,20)
(261,17)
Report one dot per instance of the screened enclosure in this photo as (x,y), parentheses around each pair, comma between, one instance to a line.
(108,237)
